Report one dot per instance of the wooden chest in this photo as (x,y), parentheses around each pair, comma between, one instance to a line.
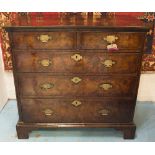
(76,75)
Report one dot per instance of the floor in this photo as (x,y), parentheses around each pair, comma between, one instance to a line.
(144,119)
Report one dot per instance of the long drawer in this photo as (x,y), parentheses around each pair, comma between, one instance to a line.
(76,110)
(48,85)
(44,40)
(77,62)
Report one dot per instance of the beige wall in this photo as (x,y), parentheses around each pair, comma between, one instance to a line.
(146,90)
(3,90)
(10,84)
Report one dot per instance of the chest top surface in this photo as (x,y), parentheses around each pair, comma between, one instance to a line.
(64,20)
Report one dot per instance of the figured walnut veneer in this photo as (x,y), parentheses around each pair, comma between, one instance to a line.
(76,76)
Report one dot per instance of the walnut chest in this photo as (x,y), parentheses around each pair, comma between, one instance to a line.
(77,74)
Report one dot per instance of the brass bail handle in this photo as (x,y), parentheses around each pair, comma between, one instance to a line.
(45,62)
(104,112)
(44,38)
(110,38)
(48,112)
(46,86)
(108,63)
(106,86)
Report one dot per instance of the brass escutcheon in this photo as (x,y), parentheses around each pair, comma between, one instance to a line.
(76,80)
(45,62)
(108,63)
(106,86)
(44,38)
(76,103)
(111,38)
(76,57)
(46,86)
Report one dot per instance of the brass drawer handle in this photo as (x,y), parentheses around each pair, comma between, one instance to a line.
(76,57)
(106,86)
(48,112)
(46,86)
(108,63)
(104,112)
(110,39)
(44,38)
(76,80)
(76,103)
(45,62)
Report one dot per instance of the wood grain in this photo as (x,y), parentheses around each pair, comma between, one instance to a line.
(50,89)
(30,85)
(62,62)
(88,112)
(29,40)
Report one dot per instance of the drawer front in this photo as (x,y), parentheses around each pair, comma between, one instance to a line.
(44,40)
(121,40)
(78,62)
(84,111)
(47,85)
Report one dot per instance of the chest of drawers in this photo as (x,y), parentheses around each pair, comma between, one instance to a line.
(76,76)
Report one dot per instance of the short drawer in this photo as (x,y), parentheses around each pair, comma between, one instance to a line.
(112,40)
(76,110)
(44,40)
(77,62)
(47,85)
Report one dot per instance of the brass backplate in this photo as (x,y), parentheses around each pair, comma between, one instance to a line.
(111,38)
(106,86)
(104,112)
(108,63)
(44,38)
(45,62)
(46,86)
(48,112)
